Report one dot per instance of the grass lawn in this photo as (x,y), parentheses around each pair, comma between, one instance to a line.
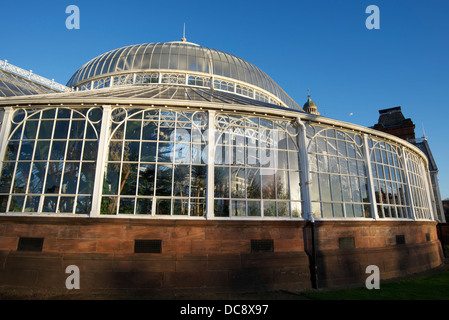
(434,287)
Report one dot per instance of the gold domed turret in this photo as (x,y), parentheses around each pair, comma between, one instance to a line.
(310,106)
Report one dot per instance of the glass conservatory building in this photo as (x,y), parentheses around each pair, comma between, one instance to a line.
(179,132)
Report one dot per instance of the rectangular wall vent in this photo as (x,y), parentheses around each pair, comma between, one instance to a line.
(264,245)
(346,243)
(427,237)
(400,239)
(30,244)
(147,246)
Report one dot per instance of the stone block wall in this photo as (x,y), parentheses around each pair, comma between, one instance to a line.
(210,255)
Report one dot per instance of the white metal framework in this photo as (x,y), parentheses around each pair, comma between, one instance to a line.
(4,65)
(172,162)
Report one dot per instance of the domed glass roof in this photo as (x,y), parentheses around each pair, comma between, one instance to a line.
(179,56)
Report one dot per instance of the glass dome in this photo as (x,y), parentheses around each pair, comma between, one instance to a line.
(179,56)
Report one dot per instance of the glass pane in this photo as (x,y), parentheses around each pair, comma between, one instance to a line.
(295,188)
(238,182)
(61,129)
(32,204)
(54,177)
(165,152)
(133,129)
(70,179)
(293,160)
(148,152)
(37,177)
(66,204)
(50,204)
(163,206)
(6,178)
(131,151)
(26,151)
(126,206)
(268,186)
(182,153)
(146,179)
(269,208)
(128,182)
(199,181)
(77,129)
(238,208)
(253,208)
(30,130)
(12,149)
(221,184)
(253,184)
(338,210)
(221,208)
(58,150)
(21,177)
(336,188)
(108,205)
(283,209)
(144,206)
(115,151)
(150,130)
(16,204)
(164,180)
(296,209)
(325,187)
(197,207)
(87,178)
(181,180)
(83,205)
(180,206)
(46,129)
(42,148)
(90,150)
(74,150)
(282,186)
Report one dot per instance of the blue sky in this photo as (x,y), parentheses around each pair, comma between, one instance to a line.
(322,45)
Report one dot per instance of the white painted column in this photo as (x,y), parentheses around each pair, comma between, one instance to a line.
(101,161)
(429,191)
(4,131)
(369,171)
(409,190)
(306,175)
(210,165)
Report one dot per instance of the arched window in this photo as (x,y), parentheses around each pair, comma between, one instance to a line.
(389,180)
(50,161)
(339,179)
(156,163)
(257,170)
(418,186)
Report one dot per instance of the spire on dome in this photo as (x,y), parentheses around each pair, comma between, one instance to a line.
(183,39)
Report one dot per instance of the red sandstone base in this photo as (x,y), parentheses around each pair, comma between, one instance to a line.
(213,256)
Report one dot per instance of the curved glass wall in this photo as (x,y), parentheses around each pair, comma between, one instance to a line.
(257,170)
(50,161)
(339,178)
(156,162)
